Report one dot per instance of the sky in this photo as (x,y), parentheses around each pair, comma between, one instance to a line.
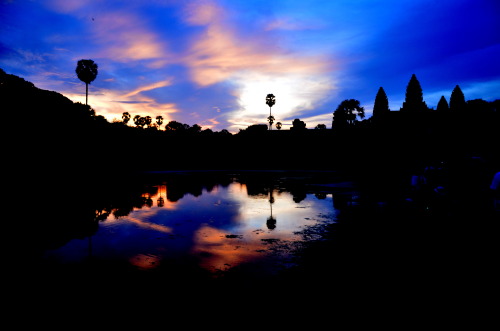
(212,62)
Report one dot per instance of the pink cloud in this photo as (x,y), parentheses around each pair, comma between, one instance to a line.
(148,88)
(219,53)
(125,38)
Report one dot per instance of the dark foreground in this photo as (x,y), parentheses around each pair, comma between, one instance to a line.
(393,248)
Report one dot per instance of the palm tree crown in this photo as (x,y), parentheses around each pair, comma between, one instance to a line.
(86,70)
(270,101)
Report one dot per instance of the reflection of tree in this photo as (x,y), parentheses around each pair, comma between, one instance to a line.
(271,221)
(160,202)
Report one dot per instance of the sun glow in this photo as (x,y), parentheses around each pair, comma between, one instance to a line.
(295,94)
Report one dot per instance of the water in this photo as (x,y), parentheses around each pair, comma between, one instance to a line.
(205,223)
(206,240)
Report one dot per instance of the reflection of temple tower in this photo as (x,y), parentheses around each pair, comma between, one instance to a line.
(271,221)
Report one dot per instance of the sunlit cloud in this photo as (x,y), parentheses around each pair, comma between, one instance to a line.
(148,88)
(112,104)
(255,66)
(295,95)
(123,38)
(291,24)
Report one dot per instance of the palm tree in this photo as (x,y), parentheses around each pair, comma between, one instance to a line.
(270,119)
(86,70)
(139,121)
(126,117)
(159,120)
(270,101)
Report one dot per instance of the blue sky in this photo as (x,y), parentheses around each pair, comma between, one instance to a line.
(212,62)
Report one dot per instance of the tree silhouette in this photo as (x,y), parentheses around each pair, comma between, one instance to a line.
(279,125)
(159,120)
(270,119)
(176,126)
(457,100)
(86,70)
(139,121)
(195,128)
(298,125)
(442,105)
(270,101)
(381,105)
(126,117)
(414,100)
(346,113)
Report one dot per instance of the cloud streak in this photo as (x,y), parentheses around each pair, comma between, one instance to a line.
(255,67)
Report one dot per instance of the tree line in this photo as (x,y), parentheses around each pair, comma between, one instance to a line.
(348,113)
(53,121)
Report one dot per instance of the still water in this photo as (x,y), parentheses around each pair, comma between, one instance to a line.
(208,222)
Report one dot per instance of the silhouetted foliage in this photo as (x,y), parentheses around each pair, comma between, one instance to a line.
(414,101)
(86,70)
(125,117)
(442,105)
(270,119)
(254,128)
(381,105)
(279,125)
(320,127)
(159,120)
(176,126)
(139,121)
(346,113)
(298,125)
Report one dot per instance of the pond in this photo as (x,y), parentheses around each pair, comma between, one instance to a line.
(203,224)
(195,238)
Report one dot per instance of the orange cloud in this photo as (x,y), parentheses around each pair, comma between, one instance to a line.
(220,252)
(125,38)
(148,88)
(218,53)
(112,104)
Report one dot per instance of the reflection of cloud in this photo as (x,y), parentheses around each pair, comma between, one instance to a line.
(139,221)
(223,252)
(145,261)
